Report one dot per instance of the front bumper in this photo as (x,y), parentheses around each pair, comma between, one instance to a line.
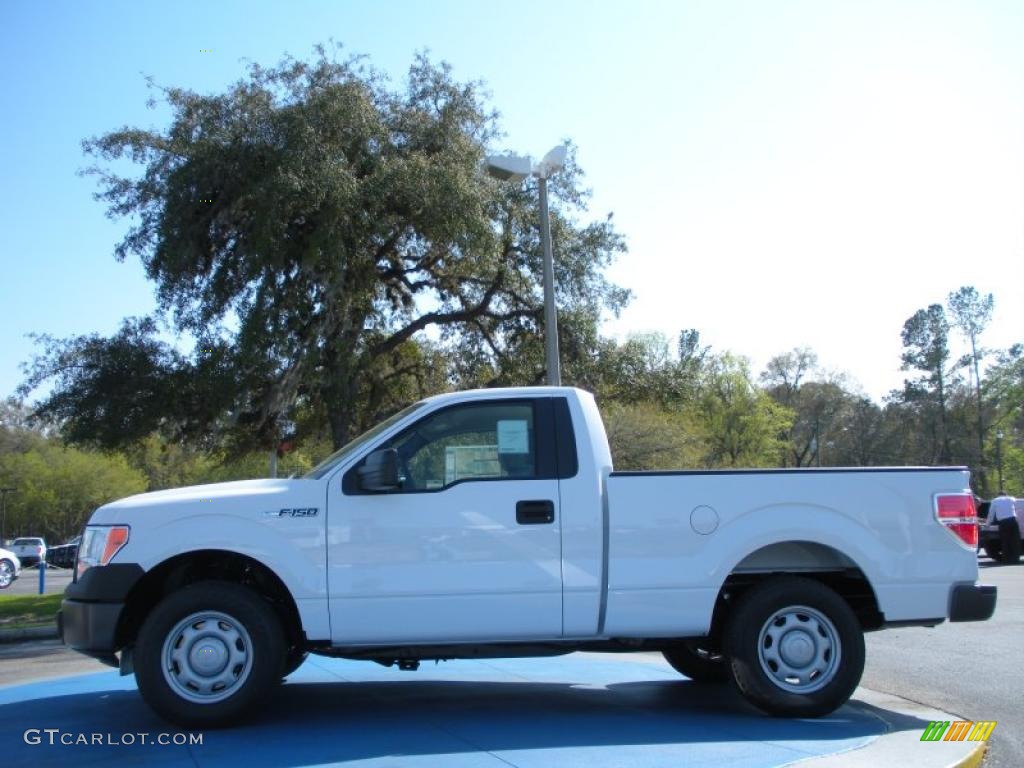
(90,628)
(91,609)
(972,602)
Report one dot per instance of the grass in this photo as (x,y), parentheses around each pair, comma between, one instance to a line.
(17,611)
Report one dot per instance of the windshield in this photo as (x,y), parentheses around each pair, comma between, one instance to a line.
(343,453)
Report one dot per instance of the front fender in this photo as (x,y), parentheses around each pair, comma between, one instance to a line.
(294,549)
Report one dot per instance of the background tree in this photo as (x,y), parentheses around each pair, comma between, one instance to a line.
(649,368)
(115,391)
(865,436)
(644,435)
(740,424)
(785,373)
(926,348)
(971,315)
(303,228)
(819,402)
(58,486)
(1005,390)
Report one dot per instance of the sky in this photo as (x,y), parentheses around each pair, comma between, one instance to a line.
(786,174)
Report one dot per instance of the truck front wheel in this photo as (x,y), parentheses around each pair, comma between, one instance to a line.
(796,648)
(208,653)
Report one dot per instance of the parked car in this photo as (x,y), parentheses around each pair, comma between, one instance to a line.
(988,535)
(63,555)
(10,568)
(491,524)
(30,549)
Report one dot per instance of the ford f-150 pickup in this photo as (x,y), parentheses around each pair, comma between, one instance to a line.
(491,524)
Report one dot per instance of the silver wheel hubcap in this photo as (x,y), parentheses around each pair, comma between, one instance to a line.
(799,649)
(5,574)
(207,657)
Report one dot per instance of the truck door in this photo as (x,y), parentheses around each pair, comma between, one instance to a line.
(468,548)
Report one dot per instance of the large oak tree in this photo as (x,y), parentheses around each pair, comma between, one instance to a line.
(304,228)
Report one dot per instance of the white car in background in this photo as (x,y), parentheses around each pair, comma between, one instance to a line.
(10,568)
(30,549)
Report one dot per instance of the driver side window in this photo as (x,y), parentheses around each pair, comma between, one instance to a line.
(480,441)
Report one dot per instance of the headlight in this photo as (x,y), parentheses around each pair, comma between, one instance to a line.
(99,544)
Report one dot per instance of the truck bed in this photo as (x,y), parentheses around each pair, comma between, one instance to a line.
(674,537)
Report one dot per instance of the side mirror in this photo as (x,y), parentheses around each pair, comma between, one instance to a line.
(379,471)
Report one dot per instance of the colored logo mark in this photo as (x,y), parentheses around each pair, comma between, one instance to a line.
(958,730)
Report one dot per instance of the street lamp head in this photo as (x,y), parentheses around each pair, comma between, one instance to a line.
(509,167)
(551,163)
(515,168)
(999,435)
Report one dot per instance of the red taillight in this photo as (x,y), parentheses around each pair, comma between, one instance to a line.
(956,511)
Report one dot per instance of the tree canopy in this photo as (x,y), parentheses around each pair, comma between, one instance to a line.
(303,228)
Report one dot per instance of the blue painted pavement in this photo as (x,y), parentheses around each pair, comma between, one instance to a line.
(583,710)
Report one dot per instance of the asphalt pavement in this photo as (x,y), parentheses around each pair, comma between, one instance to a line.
(42,660)
(972,669)
(54,581)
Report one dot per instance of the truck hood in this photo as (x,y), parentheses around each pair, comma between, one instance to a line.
(266,491)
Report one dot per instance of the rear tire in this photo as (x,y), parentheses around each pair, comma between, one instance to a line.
(796,648)
(994,549)
(696,661)
(209,653)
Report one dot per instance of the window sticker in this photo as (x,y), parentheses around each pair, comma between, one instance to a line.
(513,436)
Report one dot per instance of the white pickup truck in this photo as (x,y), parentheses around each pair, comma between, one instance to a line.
(490,524)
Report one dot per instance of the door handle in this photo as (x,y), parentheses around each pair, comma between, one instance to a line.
(535,512)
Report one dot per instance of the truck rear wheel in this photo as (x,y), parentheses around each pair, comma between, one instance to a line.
(208,653)
(796,648)
(697,661)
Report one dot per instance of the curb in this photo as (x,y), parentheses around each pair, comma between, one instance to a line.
(901,743)
(974,759)
(28,633)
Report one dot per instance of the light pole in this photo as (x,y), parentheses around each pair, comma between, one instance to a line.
(817,441)
(3,512)
(517,168)
(999,458)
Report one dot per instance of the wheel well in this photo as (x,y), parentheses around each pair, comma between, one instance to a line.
(809,560)
(207,565)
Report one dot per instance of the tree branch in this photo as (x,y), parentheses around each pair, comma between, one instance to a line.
(439,318)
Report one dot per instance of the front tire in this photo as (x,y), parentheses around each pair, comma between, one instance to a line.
(6,573)
(208,653)
(796,648)
(697,661)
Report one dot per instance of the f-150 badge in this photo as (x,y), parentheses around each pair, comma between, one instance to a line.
(293,512)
